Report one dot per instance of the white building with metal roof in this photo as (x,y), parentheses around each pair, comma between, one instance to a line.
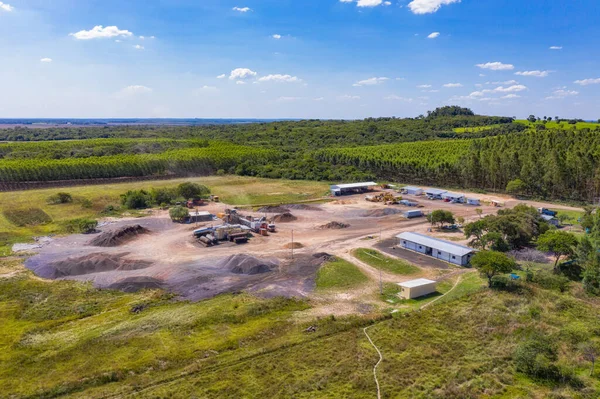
(412,190)
(436,248)
(352,188)
(417,288)
(454,197)
(434,193)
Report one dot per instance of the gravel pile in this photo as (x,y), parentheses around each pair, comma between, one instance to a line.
(118,237)
(284,218)
(334,226)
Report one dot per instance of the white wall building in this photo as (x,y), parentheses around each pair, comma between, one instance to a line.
(436,248)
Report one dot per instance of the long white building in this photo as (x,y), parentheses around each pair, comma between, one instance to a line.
(436,248)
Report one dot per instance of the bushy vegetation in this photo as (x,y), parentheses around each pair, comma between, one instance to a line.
(26,216)
(178,213)
(81,225)
(60,198)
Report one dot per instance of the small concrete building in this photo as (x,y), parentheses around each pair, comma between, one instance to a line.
(416,288)
(473,201)
(412,190)
(199,216)
(352,188)
(436,248)
(453,197)
(434,193)
(413,214)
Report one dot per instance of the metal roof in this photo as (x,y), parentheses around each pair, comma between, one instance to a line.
(548,217)
(435,191)
(411,188)
(436,243)
(453,195)
(199,213)
(416,283)
(354,185)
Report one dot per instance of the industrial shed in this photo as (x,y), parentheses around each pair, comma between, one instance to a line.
(453,197)
(412,190)
(199,216)
(551,220)
(352,188)
(416,288)
(473,201)
(436,248)
(434,193)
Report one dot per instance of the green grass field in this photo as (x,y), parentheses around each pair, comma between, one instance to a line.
(379,261)
(339,274)
(234,190)
(562,125)
(474,129)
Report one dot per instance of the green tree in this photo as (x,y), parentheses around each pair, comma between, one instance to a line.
(440,217)
(532,118)
(492,263)
(559,243)
(136,199)
(178,213)
(192,190)
(60,198)
(516,186)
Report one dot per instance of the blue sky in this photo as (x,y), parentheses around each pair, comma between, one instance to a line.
(298,58)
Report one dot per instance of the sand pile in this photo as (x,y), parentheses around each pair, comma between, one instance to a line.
(246,264)
(303,207)
(324,256)
(118,237)
(285,218)
(88,264)
(343,202)
(334,226)
(295,245)
(133,284)
(378,213)
(273,209)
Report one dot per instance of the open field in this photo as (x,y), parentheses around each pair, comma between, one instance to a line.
(561,125)
(292,329)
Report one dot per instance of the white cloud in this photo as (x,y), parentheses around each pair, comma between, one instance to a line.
(136,89)
(499,89)
(428,6)
(555,47)
(368,3)
(240,82)
(586,82)
(138,47)
(424,86)
(242,73)
(319,99)
(433,35)
(496,66)
(142,37)
(399,78)
(276,36)
(397,98)
(6,7)
(558,94)
(370,82)
(346,1)
(279,78)
(223,76)
(506,82)
(99,32)
(287,99)
(452,85)
(387,3)
(348,97)
(208,88)
(509,96)
(242,9)
(46,60)
(481,75)
(537,74)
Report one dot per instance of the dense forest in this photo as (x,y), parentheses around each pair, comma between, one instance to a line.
(450,146)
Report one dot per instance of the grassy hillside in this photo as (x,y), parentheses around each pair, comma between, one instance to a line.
(66,339)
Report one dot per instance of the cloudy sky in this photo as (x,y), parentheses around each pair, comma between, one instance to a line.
(298,58)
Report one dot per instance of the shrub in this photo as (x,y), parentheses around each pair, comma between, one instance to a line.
(536,357)
(551,281)
(192,190)
(178,213)
(505,283)
(110,210)
(81,226)
(59,198)
(136,199)
(163,195)
(27,216)
(86,203)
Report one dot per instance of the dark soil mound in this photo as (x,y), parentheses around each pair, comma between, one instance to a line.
(133,284)
(378,213)
(334,225)
(246,264)
(285,218)
(324,256)
(118,237)
(88,264)
(303,207)
(295,245)
(273,209)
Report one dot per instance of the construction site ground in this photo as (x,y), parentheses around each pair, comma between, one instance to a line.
(169,257)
